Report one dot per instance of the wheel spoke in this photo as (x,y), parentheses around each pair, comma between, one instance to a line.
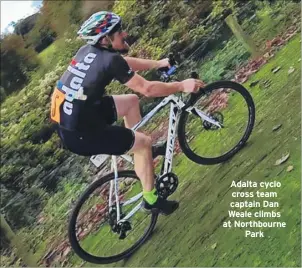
(94,232)
(230,108)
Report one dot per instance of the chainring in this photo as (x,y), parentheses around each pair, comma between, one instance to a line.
(166,184)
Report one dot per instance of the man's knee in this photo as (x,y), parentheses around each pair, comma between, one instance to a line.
(145,140)
(148,141)
(134,99)
(142,142)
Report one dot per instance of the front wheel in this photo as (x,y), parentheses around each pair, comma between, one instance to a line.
(94,232)
(231,107)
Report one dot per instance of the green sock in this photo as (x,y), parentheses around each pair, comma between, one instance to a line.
(150,197)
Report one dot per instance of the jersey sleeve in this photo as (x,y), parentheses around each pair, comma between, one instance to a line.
(120,69)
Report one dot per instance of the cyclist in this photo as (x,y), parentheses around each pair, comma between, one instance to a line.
(85,115)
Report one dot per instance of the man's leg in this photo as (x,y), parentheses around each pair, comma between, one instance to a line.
(127,106)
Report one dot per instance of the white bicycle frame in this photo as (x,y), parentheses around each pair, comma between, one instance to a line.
(176,104)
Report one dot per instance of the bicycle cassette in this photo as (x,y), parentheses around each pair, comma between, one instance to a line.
(166,184)
(112,217)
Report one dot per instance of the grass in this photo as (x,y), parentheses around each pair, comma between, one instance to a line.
(194,236)
(47,53)
(268,22)
(235,118)
(222,63)
(271,20)
(57,54)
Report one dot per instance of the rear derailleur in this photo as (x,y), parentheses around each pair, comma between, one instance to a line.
(121,227)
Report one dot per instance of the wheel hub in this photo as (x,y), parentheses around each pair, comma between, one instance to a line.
(217,116)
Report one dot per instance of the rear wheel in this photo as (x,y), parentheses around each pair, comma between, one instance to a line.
(227,103)
(93,230)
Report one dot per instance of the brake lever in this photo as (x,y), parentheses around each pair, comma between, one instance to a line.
(172,60)
(194,75)
(172,63)
(163,69)
(165,72)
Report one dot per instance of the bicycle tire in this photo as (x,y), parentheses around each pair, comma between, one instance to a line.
(184,116)
(73,220)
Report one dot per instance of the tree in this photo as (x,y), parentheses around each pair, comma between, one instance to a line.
(15,241)
(16,62)
(41,36)
(24,26)
(59,15)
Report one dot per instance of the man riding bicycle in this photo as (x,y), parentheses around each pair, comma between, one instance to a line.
(85,115)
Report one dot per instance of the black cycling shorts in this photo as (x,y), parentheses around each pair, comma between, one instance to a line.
(112,140)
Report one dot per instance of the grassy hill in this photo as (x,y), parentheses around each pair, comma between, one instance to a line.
(40,180)
(193,235)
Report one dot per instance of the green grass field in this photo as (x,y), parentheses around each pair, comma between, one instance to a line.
(47,53)
(194,236)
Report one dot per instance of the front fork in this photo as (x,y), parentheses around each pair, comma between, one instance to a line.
(203,116)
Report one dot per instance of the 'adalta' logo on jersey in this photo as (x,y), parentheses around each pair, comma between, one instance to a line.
(75,89)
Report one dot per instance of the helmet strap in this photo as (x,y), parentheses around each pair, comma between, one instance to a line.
(110,41)
(108,45)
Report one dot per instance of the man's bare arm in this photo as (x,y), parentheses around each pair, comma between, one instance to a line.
(137,64)
(160,89)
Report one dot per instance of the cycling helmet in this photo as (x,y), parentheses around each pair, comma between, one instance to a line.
(99,25)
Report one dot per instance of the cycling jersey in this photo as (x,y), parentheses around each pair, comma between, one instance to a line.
(76,101)
(113,140)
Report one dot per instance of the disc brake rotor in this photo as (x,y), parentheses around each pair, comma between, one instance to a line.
(218,117)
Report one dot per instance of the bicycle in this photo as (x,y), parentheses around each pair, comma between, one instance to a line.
(121,215)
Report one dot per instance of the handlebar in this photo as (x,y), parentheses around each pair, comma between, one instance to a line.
(166,73)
